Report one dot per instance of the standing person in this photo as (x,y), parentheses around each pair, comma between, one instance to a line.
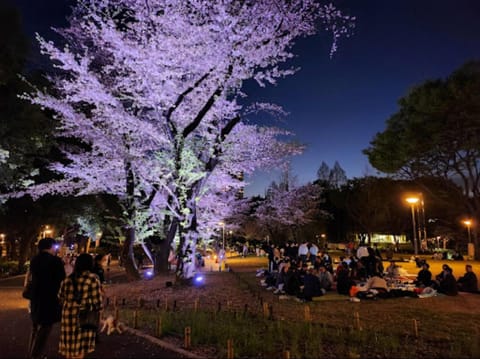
(81,289)
(221,259)
(245,250)
(98,267)
(303,251)
(47,272)
(313,251)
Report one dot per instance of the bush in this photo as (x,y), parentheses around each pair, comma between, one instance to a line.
(10,268)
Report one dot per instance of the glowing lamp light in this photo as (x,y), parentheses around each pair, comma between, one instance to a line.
(412,200)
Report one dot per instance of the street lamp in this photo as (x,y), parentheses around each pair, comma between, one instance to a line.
(468,223)
(471,246)
(46,231)
(413,201)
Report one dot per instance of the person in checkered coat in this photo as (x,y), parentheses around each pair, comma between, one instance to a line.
(76,342)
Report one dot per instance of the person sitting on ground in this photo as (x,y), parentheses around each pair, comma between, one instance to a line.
(293,282)
(445,282)
(358,271)
(378,283)
(325,277)
(424,276)
(468,282)
(282,274)
(419,262)
(457,256)
(339,267)
(344,281)
(393,270)
(376,286)
(311,286)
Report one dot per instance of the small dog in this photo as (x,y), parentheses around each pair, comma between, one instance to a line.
(110,324)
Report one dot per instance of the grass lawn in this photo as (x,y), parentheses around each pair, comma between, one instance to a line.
(233,308)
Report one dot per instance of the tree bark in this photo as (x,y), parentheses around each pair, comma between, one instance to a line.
(128,258)
(161,257)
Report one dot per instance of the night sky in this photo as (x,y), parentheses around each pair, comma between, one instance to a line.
(338,104)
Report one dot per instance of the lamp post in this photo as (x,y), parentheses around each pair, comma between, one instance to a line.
(413,201)
(471,246)
(2,242)
(468,223)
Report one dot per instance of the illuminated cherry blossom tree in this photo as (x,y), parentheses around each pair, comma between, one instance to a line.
(151,91)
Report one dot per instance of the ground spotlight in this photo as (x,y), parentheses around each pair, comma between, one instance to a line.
(198,280)
(148,274)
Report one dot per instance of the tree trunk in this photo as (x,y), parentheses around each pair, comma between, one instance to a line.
(128,258)
(161,256)
(163,248)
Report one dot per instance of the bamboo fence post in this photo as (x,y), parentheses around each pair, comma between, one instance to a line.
(230,349)
(158,327)
(265,310)
(306,313)
(286,354)
(135,319)
(356,317)
(415,328)
(117,314)
(188,341)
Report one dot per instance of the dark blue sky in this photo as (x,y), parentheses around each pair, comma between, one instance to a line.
(338,104)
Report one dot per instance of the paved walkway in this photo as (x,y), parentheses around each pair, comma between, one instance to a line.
(15,330)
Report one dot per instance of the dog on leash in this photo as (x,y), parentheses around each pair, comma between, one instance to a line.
(110,325)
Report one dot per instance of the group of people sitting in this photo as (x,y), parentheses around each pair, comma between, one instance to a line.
(445,281)
(306,278)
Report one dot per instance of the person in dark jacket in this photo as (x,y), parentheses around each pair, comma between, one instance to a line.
(344,281)
(47,272)
(311,286)
(468,282)
(424,276)
(445,282)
